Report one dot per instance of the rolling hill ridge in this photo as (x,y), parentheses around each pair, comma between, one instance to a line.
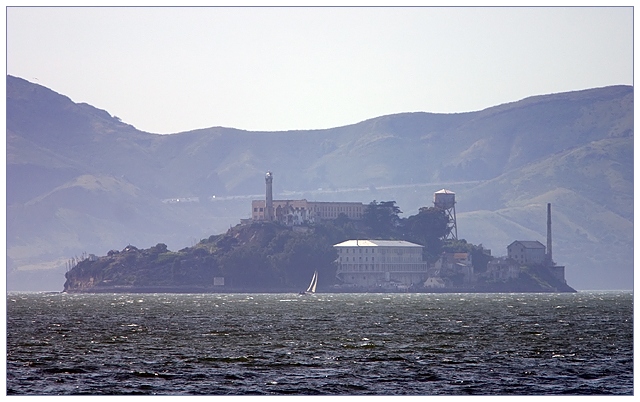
(81,181)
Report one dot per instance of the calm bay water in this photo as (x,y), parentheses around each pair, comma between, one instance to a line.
(323,344)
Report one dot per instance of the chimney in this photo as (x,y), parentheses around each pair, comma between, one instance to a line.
(549,255)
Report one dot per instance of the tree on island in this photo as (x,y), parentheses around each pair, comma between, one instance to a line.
(479,255)
(428,228)
(382,218)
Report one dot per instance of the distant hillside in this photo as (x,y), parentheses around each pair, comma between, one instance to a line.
(80,180)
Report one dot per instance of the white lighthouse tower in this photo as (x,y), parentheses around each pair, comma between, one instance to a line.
(446,200)
(268,210)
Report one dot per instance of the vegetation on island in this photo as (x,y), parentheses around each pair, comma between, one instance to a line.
(265,256)
(79,180)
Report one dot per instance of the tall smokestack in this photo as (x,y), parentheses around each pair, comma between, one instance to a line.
(549,254)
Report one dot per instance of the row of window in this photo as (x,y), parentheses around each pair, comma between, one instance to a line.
(398,251)
(319,213)
(366,250)
(407,259)
(354,259)
(333,209)
(521,257)
(337,209)
(335,215)
(383,268)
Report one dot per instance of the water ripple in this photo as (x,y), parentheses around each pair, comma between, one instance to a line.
(338,344)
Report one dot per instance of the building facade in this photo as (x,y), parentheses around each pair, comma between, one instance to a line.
(456,263)
(372,263)
(503,269)
(297,212)
(527,252)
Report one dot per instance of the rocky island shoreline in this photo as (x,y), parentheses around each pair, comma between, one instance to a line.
(267,257)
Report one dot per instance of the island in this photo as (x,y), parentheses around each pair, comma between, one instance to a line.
(275,256)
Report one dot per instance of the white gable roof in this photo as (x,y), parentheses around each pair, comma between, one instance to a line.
(376,243)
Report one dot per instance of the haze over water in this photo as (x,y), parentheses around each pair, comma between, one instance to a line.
(322,344)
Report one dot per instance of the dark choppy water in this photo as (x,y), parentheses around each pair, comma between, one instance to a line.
(329,344)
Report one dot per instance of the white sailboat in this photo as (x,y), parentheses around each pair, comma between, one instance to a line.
(312,285)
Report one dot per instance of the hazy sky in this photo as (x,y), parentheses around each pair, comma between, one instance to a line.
(166,70)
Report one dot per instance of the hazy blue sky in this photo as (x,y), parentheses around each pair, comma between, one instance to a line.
(167,70)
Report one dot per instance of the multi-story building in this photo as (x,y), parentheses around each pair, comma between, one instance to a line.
(370,263)
(296,212)
(527,252)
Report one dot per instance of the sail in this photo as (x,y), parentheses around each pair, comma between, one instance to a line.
(314,282)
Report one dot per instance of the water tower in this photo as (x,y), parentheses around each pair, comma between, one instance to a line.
(446,200)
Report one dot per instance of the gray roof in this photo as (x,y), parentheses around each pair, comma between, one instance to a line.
(376,243)
(528,244)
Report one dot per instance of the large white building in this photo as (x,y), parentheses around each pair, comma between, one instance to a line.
(296,212)
(371,263)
